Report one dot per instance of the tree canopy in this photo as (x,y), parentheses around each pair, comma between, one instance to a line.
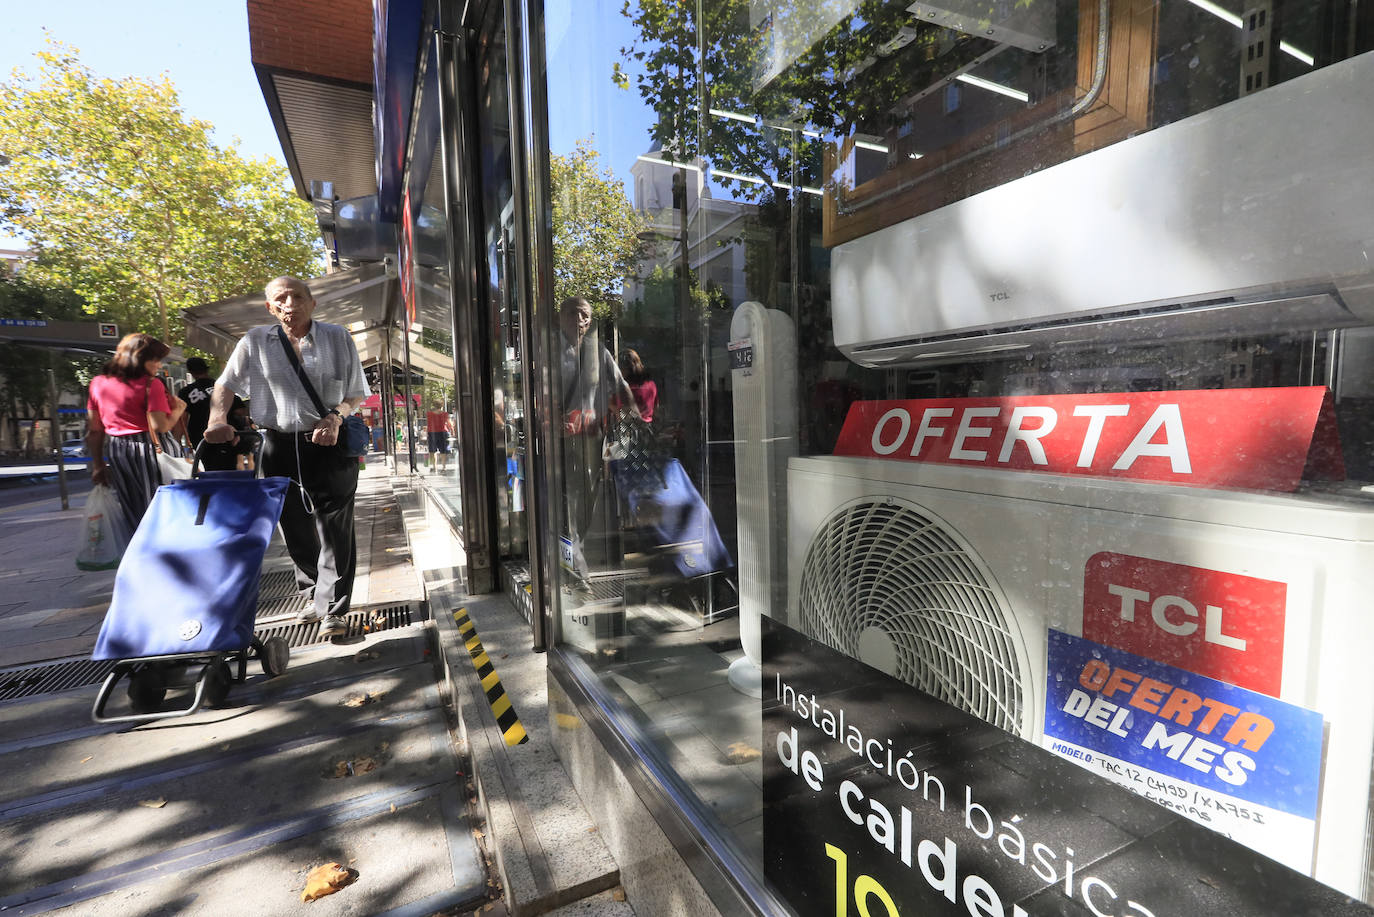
(596,243)
(129,203)
(691,63)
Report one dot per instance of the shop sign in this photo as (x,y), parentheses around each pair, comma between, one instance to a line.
(1243,438)
(1223,625)
(879,799)
(1242,763)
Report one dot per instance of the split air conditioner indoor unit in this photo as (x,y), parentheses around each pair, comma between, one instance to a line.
(1255,217)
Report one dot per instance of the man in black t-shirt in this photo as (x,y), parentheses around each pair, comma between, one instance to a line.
(196,394)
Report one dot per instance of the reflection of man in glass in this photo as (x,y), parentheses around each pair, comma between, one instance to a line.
(588,378)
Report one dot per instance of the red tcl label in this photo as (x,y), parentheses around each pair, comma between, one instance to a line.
(1222,625)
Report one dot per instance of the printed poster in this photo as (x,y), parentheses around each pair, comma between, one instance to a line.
(880,799)
(1239,762)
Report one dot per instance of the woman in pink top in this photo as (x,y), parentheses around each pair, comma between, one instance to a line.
(125,399)
(641,383)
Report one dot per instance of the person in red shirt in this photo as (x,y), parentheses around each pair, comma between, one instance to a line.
(127,405)
(438,429)
(642,385)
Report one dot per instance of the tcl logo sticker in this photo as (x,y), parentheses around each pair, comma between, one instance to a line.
(1222,625)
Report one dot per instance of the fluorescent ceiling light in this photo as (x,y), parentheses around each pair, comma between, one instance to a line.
(722,173)
(664,162)
(731,115)
(747,119)
(787,187)
(990,86)
(1231,18)
(1288,49)
(1218,12)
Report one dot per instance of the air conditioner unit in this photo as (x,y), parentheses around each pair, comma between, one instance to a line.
(1256,217)
(951,578)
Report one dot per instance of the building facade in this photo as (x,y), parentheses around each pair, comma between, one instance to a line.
(931,441)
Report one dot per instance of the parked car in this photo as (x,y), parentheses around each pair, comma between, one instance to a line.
(74,448)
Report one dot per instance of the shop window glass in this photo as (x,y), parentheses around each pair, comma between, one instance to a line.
(429,310)
(502,294)
(1009,422)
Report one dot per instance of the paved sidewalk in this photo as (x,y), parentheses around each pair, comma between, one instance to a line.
(347,757)
(48,608)
(243,800)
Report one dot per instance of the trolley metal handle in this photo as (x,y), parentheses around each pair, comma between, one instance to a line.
(241,436)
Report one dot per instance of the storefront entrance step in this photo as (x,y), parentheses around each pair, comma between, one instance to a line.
(546,848)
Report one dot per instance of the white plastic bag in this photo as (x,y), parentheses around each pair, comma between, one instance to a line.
(172,468)
(104,534)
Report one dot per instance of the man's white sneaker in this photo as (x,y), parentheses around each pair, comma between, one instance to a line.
(333,626)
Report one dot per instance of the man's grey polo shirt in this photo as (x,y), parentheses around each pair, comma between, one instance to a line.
(260,371)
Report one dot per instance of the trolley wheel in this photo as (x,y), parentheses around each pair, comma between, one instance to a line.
(274,655)
(147,688)
(218,679)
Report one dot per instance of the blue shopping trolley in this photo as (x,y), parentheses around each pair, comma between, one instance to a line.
(186,594)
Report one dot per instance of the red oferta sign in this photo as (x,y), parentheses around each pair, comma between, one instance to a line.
(1258,438)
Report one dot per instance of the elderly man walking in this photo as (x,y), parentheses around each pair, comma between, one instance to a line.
(266,368)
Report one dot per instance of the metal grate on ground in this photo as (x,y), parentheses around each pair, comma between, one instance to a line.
(607,586)
(283,606)
(277,584)
(64,674)
(360,621)
(51,677)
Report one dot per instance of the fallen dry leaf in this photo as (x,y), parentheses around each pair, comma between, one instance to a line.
(361,699)
(87,758)
(153,803)
(741,753)
(359,765)
(326,880)
(617,894)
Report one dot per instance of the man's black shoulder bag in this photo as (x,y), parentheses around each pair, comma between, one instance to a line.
(353,435)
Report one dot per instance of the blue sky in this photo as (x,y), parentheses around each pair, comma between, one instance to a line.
(201,44)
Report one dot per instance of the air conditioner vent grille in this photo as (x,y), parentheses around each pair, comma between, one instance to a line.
(885,565)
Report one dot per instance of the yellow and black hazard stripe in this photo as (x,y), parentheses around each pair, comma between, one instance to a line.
(506,717)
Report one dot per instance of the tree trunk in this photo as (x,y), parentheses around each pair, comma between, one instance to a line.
(162,316)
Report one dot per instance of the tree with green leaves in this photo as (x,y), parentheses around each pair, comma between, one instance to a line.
(128,202)
(786,90)
(596,230)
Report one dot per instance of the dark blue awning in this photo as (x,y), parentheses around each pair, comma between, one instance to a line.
(396,31)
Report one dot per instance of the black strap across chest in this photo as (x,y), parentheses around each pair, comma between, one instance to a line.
(300,372)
